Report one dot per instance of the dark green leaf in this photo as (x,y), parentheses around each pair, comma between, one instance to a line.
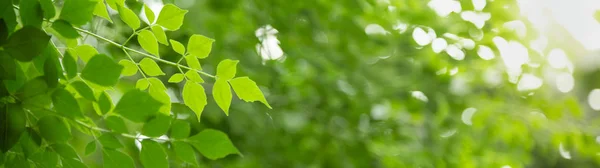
(45,159)
(51,72)
(116,124)
(54,129)
(222,94)
(171,17)
(90,148)
(129,17)
(160,35)
(15,160)
(157,126)
(8,67)
(247,90)
(148,42)
(65,151)
(70,65)
(129,68)
(109,141)
(65,29)
(78,12)
(104,103)
(84,90)
(33,87)
(13,121)
(102,70)
(185,152)
(65,104)
(48,8)
(176,78)
(72,163)
(31,13)
(3,30)
(137,106)
(150,67)
(199,46)
(194,97)
(213,144)
(115,159)
(153,155)
(26,43)
(180,129)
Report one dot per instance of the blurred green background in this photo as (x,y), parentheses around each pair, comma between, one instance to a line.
(396,83)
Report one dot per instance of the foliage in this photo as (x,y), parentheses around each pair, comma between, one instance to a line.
(59,94)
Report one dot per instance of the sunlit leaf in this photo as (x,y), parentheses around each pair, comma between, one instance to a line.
(213,144)
(193,62)
(176,78)
(148,42)
(185,152)
(86,52)
(102,70)
(222,95)
(78,12)
(247,90)
(100,10)
(226,69)
(171,17)
(142,84)
(129,67)
(137,106)
(177,46)
(194,76)
(150,67)
(153,155)
(194,97)
(149,14)
(129,17)
(160,35)
(199,45)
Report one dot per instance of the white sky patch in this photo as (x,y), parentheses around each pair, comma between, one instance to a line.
(421,37)
(419,95)
(563,152)
(565,82)
(444,7)
(477,18)
(467,43)
(517,26)
(557,58)
(268,48)
(529,82)
(479,4)
(467,115)
(375,29)
(485,52)
(448,133)
(439,44)
(400,26)
(155,6)
(594,99)
(514,54)
(455,52)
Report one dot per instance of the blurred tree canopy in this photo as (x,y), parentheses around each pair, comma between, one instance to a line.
(378,83)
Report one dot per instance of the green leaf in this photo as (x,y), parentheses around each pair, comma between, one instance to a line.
(115,3)
(65,29)
(185,152)
(108,140)
(213,144)
(31,13)
(65,104)
(48,8)
(8,67)
(115,159)
(51,72)
(177,47)
(65,151)
(160,35)
(129,68)
(194,97)
(16,161)
(158,91)
(176,78)
(180,129)
(100,10)
(102,70)
(153,155)
(45,158)
(104,103)
(150,67)
(171,17)
(199,46)
(193,62)
(72,163)
(90,147)
(149,14)
(148,42)
(54,129)
(222,95)
(26,43)
(142,84)
(116,124)
(13,121)
(137,106)
(33,87)
(78,12)
(247,90)
(226,69)
(157,126)
(84,90)
(129,17)
(86,52)
(70,65)
(194,76)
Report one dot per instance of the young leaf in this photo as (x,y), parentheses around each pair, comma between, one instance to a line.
(148,42)
(100,10)
(180,129)
(150,67)
(78,12)
(213,144)
(185,152)
(149,14)
(177,47)
(129,68)
(86,52)
(116,124)
(65,29)
(194,97)
(160,35)
(54,129)
(110,141)
(48,8)
(193,62)
(90,147)
(176,78)
(222,95)
(104,103)
(114,158)
(226,69)
(84,90)
(247,90)
(30,13)
(171,17)
(137,106)
(142,84)
(65,104)
(194,76)
(70,65)
(157,126)
(153,155)
(102,70)
(26,43)
(199,46)
(13,120)
(129,17)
